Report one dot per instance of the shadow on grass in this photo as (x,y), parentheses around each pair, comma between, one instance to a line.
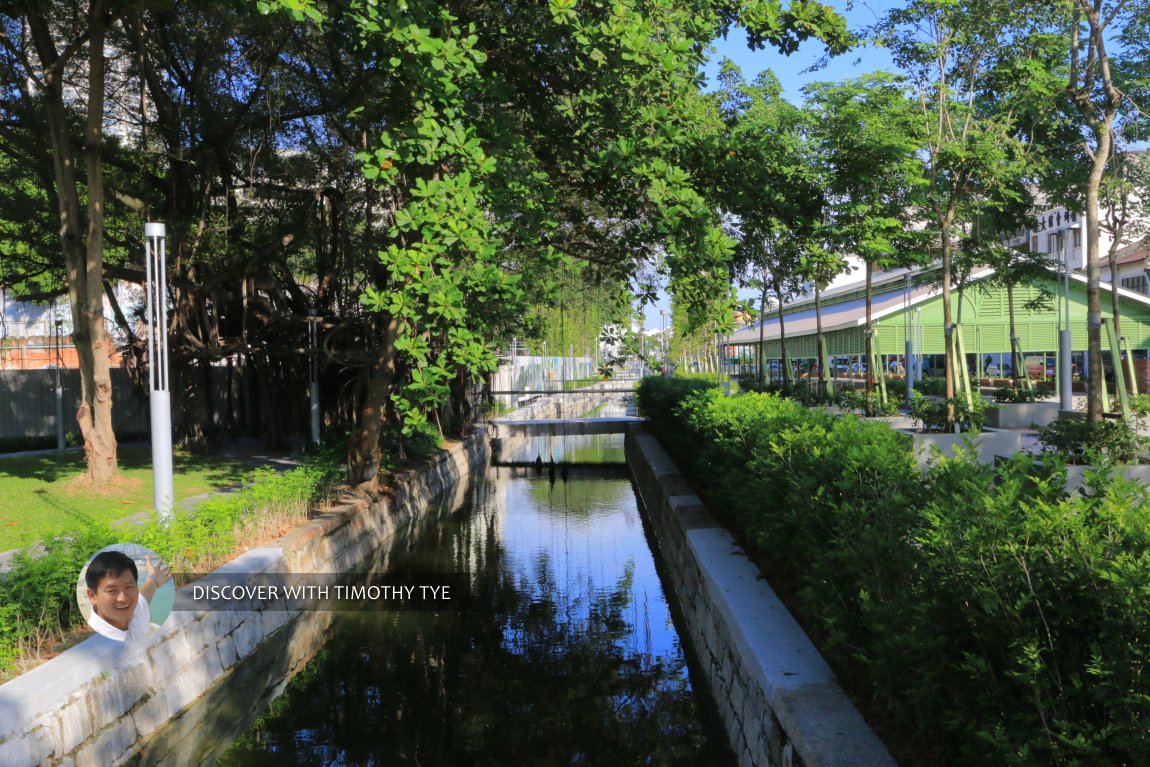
(86,520)
(48,467)
(217,471)
(53,467)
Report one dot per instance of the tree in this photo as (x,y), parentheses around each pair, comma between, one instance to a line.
(1124,190)
(820,265)
(524,135)
(57,53)
(761,176)
(1097,98)
(1095,88)
(867,138)
(955,54)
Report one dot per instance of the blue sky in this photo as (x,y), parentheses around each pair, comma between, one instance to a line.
(792,70)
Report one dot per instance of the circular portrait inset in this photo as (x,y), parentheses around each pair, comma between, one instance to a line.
(125,591)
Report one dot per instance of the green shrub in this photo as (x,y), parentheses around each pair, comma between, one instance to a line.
(39,594)
(1074,440)
(684,375)
(877,407)
(656,396)
(931,386)
(1033,607)
(851,399)
(931,414)
(997,620)
(1011,394)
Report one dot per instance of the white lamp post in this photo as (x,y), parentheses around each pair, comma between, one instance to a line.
(908,354)
(313,371)
(663,337)
(1065,375)
(60,441)
(160,398)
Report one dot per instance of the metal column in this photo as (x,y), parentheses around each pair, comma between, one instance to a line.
(160,399)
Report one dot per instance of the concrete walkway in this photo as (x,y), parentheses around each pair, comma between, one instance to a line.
(247,450)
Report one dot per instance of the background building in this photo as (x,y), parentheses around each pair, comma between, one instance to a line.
(903,310)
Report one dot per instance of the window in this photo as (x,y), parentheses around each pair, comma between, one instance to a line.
(1077,237)
(1136,284)
(1052,243)
(1034,244)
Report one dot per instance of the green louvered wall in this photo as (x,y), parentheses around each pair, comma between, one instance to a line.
(985,326)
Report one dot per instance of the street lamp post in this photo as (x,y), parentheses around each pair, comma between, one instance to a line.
(909,353)
(663,337)
(1065,375)
(160,398)
(313,370)
(918,373)
(59,389)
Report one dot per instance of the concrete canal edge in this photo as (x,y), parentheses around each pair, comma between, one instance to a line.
(99,702)
(779,701)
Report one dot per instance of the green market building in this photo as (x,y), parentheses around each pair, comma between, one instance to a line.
(908,305)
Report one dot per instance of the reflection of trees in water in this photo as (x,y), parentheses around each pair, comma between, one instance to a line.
(528,675)
(592,491)
(572,448)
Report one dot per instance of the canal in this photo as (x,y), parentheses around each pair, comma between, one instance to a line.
(565,654)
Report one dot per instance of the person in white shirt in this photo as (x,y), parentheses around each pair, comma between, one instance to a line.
(119,603)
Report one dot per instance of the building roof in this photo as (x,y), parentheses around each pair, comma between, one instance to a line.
(1133,253)
(889,297)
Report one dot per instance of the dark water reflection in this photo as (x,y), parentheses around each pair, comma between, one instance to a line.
(567,654)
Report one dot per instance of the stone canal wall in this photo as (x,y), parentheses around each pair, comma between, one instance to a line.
(104,702)
(779,701)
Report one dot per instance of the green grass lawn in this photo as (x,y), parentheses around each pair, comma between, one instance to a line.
(46,495)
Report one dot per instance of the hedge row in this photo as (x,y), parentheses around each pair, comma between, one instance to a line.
(992,618)
(38,597)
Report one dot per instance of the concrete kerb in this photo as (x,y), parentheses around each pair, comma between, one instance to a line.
(733,607)
(116,696)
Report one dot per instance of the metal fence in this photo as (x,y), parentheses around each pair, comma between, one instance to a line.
(28,403)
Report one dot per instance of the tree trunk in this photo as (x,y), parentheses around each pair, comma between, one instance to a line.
(1094,403)
(462,411)
(363,452)
(762,333)
(83,253)
(947,314)
(787,372)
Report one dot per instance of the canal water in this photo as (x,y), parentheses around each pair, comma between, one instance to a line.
(566,654)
